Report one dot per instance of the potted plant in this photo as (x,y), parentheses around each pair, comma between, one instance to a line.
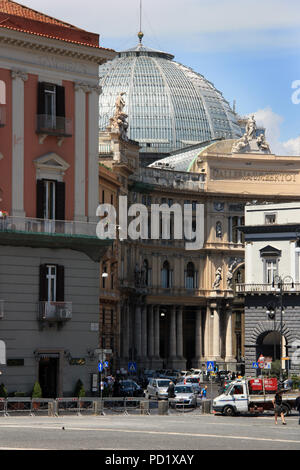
(79,391)
(36,393)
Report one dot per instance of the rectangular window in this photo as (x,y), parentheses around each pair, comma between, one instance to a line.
(51,106)
(270,219)
(50,200)
(52,281)
(270,270)
(234,234)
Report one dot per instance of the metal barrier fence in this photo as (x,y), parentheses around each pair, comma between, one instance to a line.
(97,406)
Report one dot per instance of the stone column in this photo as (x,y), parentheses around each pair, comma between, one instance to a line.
(198,338)
(125,312)
(229,347)
(151,333)
(80,152)
(138,330)
(172,337)
(179,333)
(93,168)
(18,79)
(156,333)
(216,333)
(207,334)
(144,332)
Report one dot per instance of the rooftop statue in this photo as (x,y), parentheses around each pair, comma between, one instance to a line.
(250,143)
(118,123)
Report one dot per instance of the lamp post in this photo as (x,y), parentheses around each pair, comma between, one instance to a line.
(279,283)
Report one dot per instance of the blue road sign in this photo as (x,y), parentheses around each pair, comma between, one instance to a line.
(132,367)
(106,365)
(255,365)
(210,366)
(100,367)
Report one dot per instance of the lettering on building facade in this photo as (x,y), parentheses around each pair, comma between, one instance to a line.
(259,176)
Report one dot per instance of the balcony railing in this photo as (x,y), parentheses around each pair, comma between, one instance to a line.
(46,226)
(266,288)
(176,291)
(54,125)
(2,116)
(1,309)
(55,311)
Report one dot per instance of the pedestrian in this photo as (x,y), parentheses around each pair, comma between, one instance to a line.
(298,405)
(277,403)
(204,392)
(171,391)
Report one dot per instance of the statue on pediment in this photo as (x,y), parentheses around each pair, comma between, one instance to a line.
(251,128)
(262,143)
(218,278)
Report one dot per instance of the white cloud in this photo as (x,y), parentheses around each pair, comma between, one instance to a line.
(272,121)
(169,19)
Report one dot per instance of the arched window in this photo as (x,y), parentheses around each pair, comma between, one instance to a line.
(190,276)
(166,276)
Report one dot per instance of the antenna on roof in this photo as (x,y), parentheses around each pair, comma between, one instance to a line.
(140,34)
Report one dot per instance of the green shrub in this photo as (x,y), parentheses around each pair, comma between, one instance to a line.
(37,391)
(79,389)
(3,391)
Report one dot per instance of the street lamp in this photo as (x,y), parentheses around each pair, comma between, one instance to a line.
(279,285)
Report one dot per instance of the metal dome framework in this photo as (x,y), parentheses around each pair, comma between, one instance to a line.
(170,106)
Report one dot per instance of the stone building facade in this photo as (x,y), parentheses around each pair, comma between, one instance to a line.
(178,307)
(272,285)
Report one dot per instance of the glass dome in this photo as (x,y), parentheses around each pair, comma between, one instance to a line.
(169,106)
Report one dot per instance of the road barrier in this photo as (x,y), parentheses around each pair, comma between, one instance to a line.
(94,406)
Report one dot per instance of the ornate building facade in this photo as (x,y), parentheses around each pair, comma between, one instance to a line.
(178,306)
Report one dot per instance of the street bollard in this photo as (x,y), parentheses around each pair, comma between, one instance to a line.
(206,407)
(163,407)
(144,407)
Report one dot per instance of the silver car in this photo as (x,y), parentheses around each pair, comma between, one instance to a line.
(184,396)
(157,388)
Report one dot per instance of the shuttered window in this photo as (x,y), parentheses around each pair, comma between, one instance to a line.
(52,283)
(50,200)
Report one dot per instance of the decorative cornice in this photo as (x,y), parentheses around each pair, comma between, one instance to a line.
(39,45)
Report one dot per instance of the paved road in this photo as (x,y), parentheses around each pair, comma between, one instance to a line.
(185,432)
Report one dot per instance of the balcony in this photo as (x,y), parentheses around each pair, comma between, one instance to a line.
(46,226)
(288,288)
(44,233)
(56,312)
(49,125)
(2,116)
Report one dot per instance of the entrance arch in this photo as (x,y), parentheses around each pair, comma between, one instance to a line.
(268,344)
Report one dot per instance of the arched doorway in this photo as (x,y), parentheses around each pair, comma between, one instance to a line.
(268,344)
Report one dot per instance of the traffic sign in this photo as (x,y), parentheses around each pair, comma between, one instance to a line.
(100,367)
(210,366)
(254,365)
(106,365)
(268,365)
(132,367)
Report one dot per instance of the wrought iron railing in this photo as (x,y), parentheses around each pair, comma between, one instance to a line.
(262,288)
(55,311)
(47,226)
(54,125)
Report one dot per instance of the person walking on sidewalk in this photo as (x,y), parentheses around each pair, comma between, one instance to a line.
(277,403)
(298,405)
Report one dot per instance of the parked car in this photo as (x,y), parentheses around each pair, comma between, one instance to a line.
(129,388)
(157,388)
(184,396)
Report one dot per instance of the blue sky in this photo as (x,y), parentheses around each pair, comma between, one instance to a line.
(249,50)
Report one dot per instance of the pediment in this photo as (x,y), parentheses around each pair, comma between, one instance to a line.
(51,161)
(270,251)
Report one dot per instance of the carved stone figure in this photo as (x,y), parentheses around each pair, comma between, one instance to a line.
(218,278)
(242,143)
(229,275)
(219,231)
(251,128)
(262,143)
(118,123)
